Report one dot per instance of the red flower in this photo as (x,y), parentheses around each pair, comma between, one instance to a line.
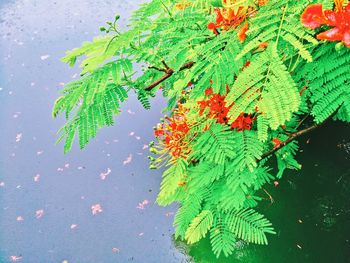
(226,19)
(243,122)
(211,26)
(219,18)
(173,133)
(314,17)
(262,2)
(209,92)
(158,133)
(242,32)
(263,45)
(277,142)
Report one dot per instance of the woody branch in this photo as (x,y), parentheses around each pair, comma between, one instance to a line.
(297,134)
(168,72)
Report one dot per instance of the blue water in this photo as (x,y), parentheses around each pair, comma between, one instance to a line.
(34,35)
(46,197)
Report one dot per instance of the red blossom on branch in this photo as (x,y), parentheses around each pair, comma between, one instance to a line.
(243,122)
(226,19)
(277,142)
(242,32)
(339,19)
(219,110)
(173,132)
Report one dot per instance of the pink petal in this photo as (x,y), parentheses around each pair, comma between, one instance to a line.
(115,250)
(346,38)
(18,137)
(15,258)
(39,213)
(103,176)
(96,209)
(333,34)
(36,178)
(128,160)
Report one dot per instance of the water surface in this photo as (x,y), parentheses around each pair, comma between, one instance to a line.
(47,197)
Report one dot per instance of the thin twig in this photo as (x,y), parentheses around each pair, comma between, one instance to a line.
(295,135)
(289,140)
(167,74)
(156,68)
(302,121)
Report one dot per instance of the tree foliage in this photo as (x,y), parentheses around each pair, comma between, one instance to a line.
(243,80)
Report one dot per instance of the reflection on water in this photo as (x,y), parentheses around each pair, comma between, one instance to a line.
(311,212)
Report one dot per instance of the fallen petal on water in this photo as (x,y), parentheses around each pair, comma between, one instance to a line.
(96,209)
(115,250)
(15,258)
(39,213)
(18,137)
(44,57)
(128,160)
(36,178)
(103,176)
(142,204)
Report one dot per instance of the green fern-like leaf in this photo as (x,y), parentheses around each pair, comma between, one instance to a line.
(249,150)
(189,209)
(199,227)
(215,145)
(170,183)
(250,226)
(94,99)
(221,238)
(275,93)
(328,82)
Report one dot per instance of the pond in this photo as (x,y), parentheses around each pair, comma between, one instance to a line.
(98,205)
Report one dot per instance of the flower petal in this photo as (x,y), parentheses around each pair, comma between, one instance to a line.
(332,18)
(242,32)
(346,38)
(333,34)
(313,16)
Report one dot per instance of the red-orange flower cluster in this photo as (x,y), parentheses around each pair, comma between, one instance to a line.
(226,19)
(277,142)
(314,17)
(173,132)
(243,122)
(217,106)
(219,110)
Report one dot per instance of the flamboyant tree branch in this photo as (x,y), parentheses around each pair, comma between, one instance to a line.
(297,134)
(291,138)
(168,72)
